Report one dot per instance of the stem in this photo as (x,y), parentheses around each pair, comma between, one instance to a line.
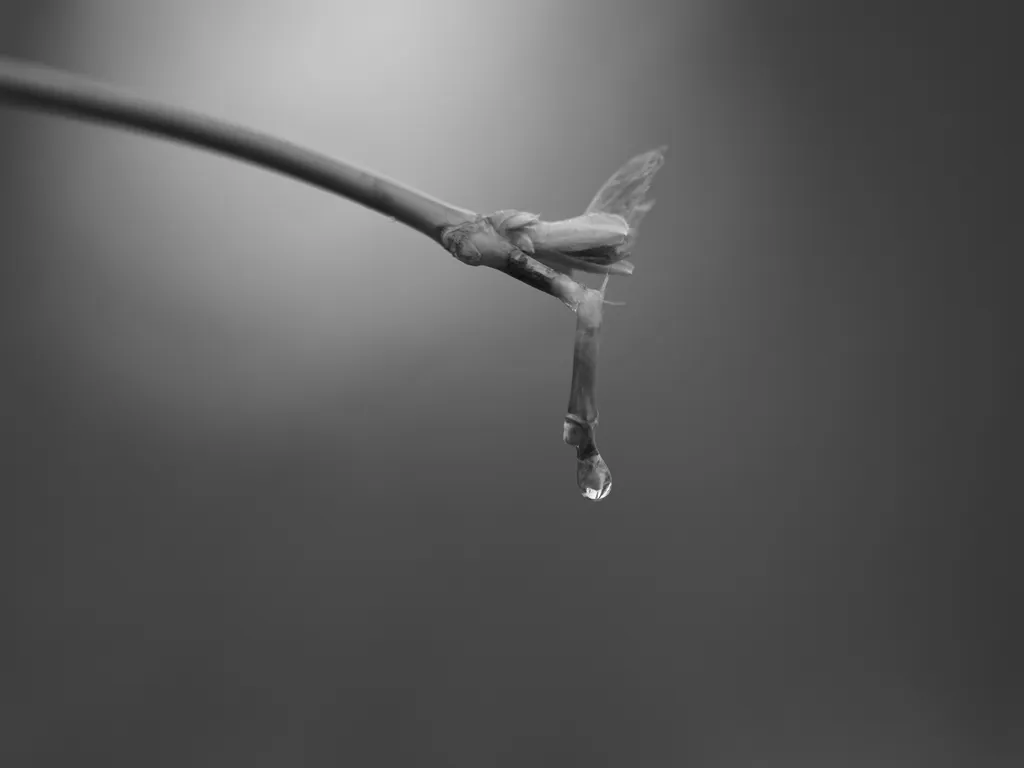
(59,92)
(592,474)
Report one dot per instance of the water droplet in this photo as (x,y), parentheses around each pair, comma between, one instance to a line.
(594,478)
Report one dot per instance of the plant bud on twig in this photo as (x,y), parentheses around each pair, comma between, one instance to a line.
(542,254)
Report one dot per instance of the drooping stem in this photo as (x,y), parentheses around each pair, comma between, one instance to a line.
(63,93)
(593,476)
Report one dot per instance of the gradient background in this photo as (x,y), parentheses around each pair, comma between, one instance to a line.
(283,483)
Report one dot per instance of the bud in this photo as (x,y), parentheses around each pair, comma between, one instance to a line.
(601,239)
(591,232)
(594,242)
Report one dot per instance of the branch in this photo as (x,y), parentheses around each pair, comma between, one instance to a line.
(541,254)
(50,90)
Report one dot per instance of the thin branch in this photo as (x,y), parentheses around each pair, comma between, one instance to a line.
(59,92)
(542,254)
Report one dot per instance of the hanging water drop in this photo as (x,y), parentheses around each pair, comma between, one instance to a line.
(594,478)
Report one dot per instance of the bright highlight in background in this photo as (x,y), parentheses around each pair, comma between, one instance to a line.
(188,283)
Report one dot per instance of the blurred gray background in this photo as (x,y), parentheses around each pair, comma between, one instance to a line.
(283,483)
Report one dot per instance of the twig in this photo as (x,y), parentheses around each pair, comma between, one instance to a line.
(539,253)
(469,236)
(50,90)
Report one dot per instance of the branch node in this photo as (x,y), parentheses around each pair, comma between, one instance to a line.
(491,241)
(461,240)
